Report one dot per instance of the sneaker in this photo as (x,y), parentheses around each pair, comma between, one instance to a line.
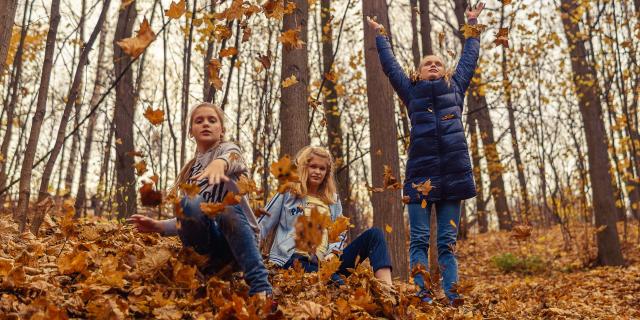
(425,296)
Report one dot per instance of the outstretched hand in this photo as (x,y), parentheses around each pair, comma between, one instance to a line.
(214,172)
(144,223)
(373,24)
(474,13)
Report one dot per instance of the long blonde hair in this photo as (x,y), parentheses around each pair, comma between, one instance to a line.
(327,189)
(184,172)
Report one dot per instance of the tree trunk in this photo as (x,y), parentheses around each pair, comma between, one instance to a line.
(123,119)
(332,114)
(7,17)
(415,34)
(208,91)
(81,195)
(481,206)
(477,105)
(425,28)
(186,81)
(38,117)
(71,100)
(294,109)
(11,107)
(75,144)
(387,207)
(588,93)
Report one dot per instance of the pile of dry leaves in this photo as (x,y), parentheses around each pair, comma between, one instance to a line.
(105,270)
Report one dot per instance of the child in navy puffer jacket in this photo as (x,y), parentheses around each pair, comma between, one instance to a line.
(438,152)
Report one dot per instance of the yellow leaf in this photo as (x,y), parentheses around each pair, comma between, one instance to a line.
(289,81)
(190,189)
(388,228)
(472,31)
(309,230)
(134,46)
(291,39)
(214,73)
(453,223)
(154,116)
(424,188)
(337,227)
(176,10)
(424,203)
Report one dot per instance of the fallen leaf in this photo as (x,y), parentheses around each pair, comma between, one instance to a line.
(337,227)
(141,167)
(150,197)
(472,30)
(388,228)
(291,39)
(502,37)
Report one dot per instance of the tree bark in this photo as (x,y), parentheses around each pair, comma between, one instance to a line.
(75,144)
(387,207)
(415,34)
(331,112)
(71,101)
(7,17)
(123,119)
(425,28)
(481,206)
(588,93)
(38,117)
(294,109)
(81,195)
(11,107)
(477,105)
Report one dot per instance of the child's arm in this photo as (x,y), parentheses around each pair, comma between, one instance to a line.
(232,155)
(390,66)
(470,53)
(269,221)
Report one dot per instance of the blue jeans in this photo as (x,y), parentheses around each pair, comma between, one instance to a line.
(226,239)
(419,218)
(370,244)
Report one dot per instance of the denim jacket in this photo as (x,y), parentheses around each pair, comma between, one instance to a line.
(284,209)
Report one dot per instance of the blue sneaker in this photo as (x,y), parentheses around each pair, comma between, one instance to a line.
(425,295)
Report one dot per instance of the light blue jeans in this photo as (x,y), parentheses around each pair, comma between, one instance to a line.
(419,219)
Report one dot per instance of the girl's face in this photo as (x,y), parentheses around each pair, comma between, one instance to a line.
(317,170)
(431,68)
(206,128)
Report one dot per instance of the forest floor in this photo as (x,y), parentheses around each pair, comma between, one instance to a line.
(104,270)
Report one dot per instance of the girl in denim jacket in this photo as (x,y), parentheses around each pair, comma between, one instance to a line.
(316,170)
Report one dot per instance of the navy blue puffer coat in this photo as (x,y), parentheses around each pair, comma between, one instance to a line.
(438,149)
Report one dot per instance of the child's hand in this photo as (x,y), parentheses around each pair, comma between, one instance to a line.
(474,13)
(214,172)
(145,224)
(373,24)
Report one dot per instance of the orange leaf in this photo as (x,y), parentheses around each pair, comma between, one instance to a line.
(337,227)
(472,30)
(246,185)
(176,10)
(148,196)
(309,230)
(214,73)
(289,81)
(154,116)
(388,228)
(141,167)
(424,187)
(502,37)
(291,39)
(453,223)
(423,204)
(134,46)
(390,182)
(227,52)
(190,189)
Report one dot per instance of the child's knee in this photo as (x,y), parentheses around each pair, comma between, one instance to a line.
(376,234)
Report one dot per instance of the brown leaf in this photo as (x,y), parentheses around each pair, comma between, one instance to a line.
(150,197)
(135,46)
(502,37)
(309,230)
(337,227)
(291,39)
(176,10)
(154,116)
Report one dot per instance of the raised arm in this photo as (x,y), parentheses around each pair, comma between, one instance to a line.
(390,66)
(470,52)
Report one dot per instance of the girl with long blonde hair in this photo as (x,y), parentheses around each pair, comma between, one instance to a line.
(317,190)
